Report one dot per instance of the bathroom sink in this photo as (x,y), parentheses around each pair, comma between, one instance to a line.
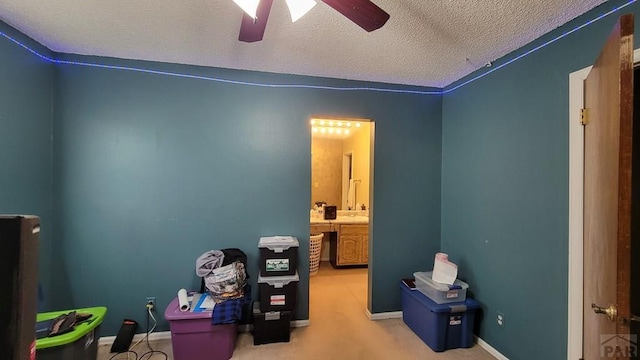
(351,220)
(319,221)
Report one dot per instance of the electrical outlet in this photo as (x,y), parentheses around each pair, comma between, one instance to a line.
(500,319)
(151,302)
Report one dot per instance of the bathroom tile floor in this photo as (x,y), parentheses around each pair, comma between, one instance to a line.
(339,329)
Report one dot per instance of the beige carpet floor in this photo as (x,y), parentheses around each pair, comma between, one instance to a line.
(339,329)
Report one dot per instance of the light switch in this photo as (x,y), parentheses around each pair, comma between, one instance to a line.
(315,184)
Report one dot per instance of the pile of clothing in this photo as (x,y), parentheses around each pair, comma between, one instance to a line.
(224,277)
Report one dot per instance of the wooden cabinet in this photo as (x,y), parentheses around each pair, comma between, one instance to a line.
(320,228)
(351,245)
(349,250)
(365,248)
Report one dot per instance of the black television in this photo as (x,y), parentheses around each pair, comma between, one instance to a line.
(19,237)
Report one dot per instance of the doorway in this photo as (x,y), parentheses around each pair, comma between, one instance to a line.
(341,176)
(576,189)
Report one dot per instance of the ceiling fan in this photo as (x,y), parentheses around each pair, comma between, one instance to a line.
(363,13)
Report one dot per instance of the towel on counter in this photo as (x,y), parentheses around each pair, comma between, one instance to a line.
(351,195)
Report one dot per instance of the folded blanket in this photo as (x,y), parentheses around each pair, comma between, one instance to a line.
(232,311)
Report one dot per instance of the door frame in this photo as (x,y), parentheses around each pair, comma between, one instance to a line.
(370,196)
(576,189)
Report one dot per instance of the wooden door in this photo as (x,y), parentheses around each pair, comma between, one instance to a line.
(607,196)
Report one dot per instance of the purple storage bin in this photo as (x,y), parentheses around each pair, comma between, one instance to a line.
(194,337)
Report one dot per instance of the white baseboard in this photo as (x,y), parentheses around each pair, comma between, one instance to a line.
(300,323)
(384,315)
(483,344)
(164,335)
(160,335)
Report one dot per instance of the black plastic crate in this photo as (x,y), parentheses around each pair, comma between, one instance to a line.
(278,293)
(278,255)
(271,327)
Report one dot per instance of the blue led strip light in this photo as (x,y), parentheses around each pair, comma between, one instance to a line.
(26,47)
(539,47)
(300,86)
(237,82)
(207,78)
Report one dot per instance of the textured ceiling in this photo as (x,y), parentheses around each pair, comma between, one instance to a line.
(425,42)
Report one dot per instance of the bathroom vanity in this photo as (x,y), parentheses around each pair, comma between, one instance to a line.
(348,239)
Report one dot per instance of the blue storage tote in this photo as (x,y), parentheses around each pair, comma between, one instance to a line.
(441,326)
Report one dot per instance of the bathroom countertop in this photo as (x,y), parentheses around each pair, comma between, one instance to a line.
(341,220)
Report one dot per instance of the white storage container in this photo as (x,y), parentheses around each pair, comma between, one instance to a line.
(440,293)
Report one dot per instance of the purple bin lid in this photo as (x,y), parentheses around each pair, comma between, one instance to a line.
(173,313)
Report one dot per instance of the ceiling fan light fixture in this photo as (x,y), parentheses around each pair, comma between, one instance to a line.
(249,6)
(298,8)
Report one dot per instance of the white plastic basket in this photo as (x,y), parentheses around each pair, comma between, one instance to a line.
(315,247)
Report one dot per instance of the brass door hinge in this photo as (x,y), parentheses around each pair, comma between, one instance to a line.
(584,116)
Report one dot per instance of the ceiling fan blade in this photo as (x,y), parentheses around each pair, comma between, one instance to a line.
(364,13)
(252,30)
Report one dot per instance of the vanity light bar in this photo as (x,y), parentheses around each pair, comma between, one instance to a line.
(330,130)
(335,123)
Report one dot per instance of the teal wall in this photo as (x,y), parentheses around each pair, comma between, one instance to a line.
(26,99)
(505,188)
(153,170)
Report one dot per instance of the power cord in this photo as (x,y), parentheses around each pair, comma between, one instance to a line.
(150,353)
(149,308)
(126,352)
(155,323)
